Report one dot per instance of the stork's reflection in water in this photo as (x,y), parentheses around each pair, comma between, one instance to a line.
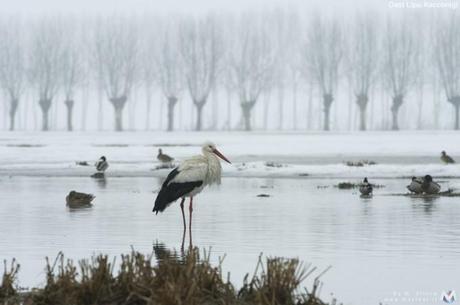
(162,253)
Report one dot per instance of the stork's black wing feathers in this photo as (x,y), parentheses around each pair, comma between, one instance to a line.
(171,191)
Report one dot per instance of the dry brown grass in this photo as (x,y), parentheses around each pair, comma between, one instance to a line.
(277,282)
(174,279)
(8,289)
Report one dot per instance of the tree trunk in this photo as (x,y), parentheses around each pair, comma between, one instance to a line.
(309,106)
(229,109)
(397,102)
(13,108)
(327,102)
(199,112)
(350,105)
(45,105)
(420,106)
(266,101)
(362,101)
(172,100)
(84,98)
(455,101)
(118,105)
(246,108)
(148,94)
(280,106)
(100,109)
(294,103)
(215,108)
(456,116)
(69,104)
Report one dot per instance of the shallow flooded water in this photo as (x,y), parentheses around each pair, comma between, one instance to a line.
(378,248)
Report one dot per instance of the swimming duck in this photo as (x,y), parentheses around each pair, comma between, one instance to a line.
(429,186)
(79,200)
(416,185)
(102,165)
(446,158)
(365,188)
(164,158)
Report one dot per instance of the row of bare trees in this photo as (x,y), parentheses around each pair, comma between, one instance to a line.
(248,55)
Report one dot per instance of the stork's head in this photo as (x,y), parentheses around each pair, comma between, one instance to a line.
(210,148)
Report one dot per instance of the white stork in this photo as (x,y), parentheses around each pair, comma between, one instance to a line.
(189,179)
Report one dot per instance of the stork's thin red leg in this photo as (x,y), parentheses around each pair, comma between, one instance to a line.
(183,220)
(190,208)
(183,214)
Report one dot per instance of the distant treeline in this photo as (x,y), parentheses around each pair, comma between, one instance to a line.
(274,69)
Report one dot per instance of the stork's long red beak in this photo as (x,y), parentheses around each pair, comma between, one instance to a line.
(221,155)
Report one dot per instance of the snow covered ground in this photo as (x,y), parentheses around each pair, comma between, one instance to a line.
(295,154)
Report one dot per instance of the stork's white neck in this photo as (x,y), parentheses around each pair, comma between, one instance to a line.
(214,168)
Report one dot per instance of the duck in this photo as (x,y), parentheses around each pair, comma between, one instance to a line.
(102,165)
(77,200)
(365,188)
(416,185)
(429,186)
(446,158)
(164,158)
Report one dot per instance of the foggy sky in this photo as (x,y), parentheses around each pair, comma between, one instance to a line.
(32,7)
(275,110)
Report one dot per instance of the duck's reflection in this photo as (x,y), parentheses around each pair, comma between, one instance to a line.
(427,205)
(101,182)
(430,200)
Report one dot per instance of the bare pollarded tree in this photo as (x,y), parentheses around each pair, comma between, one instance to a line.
(399,66)
(201,50)
(12,64)
(362,60)
(447,57)
(322,54)
(116,47)
(72,68)
(45,63)
(252,62)
(170,69)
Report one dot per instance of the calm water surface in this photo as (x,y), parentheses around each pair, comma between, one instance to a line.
(377,247)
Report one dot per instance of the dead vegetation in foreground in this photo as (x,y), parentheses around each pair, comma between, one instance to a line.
(188,279)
